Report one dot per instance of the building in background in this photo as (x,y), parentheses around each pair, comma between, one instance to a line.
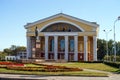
(62,37)
(22,54)
(19,56)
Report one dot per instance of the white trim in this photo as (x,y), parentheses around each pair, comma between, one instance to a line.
(61,33)
(29,52)
(80,20)
(66,48)
(46,47)
(40,21)
(58,15)
(85,48)
(75,48)
(61,21)
(94,48)
(55,47)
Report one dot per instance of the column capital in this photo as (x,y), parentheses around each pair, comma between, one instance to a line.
(94,37)
(55,36)
(85,38)
(46,36)
(66,36)
(76,36)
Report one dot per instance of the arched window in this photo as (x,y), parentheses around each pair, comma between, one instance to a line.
(61,27)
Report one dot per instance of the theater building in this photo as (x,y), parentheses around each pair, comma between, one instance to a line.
(62,37)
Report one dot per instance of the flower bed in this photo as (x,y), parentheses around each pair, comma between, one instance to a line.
(25,68)
(45,68)
(42,67)
(10,64)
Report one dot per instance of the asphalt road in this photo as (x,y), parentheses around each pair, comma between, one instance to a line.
(36,77)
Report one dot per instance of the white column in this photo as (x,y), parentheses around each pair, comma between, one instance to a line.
(85,49)
(55,47)
(66,48)
(46,47)
(94,48)
(75,48)
(29,53)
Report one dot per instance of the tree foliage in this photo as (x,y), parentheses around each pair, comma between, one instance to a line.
(2,55)
(13,50)
(102,49)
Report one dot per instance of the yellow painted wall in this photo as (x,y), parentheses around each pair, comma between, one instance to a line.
(88,29)
(82,25)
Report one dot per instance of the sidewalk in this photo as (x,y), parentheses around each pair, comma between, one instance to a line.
(38,77)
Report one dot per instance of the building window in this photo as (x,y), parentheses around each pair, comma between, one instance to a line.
(71,45)
(52,45)
(62,45)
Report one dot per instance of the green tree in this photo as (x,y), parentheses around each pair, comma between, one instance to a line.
(118,48)
(110,47)
(13,50)
(101,46)
(2,55)
(8,51)
(21,48)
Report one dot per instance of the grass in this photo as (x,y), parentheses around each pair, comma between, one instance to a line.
(31,65)
(95,66)
(77,73)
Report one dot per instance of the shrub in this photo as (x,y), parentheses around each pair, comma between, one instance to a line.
(111,58)
(91,61)
(113,64)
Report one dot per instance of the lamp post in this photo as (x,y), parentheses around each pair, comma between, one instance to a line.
(106,32)
(114,39)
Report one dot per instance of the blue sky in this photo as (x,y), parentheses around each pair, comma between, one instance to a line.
(14,14)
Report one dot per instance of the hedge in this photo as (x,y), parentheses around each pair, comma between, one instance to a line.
(113,64)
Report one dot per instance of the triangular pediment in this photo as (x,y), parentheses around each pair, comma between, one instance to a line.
(82,24)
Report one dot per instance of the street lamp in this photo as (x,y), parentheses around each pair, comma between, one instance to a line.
(114,39)
(106,32)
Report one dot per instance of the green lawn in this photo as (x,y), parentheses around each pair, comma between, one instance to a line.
(96,66)
(31,65)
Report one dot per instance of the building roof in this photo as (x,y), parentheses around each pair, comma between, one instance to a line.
(94,24)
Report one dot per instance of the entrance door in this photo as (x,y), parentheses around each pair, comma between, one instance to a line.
(51,56)
(71,57)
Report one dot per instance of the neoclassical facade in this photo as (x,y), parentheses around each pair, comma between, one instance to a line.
(62,37)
